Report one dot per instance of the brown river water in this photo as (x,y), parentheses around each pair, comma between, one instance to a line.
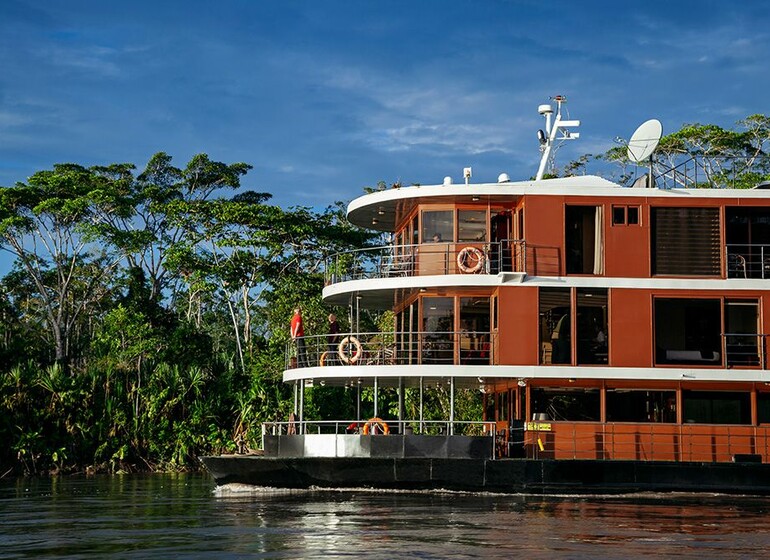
(185,516)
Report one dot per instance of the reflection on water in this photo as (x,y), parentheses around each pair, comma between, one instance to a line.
(166,516)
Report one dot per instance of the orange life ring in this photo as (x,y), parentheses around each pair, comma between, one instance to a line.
(379,422)
(343,351)
(325,356)
(470,254)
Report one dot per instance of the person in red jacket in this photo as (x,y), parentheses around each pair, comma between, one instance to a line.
(298,336)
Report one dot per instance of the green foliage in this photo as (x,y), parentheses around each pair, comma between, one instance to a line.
(703,155)
(145,320)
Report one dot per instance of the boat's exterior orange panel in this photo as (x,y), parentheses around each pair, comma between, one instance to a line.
(518,335)
(630,344)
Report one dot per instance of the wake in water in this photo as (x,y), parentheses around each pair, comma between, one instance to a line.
(240,490)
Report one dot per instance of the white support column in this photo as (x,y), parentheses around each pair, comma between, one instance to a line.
(422,427)
(376,396)
(451,406)
(358,400)
(301,429)
(296,398)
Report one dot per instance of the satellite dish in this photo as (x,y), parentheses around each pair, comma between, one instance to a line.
(644,141)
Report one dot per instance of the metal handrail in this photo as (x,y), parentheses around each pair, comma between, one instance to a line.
(393,348)
(747,260)
(425,259)
(648,442)
(685,173)
(744,349)
(412,427)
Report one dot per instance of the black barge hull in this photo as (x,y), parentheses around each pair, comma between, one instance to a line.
(531,476)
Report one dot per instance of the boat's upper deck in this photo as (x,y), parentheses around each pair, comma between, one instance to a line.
(384,210)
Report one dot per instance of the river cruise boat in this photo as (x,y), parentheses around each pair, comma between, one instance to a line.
(607,328)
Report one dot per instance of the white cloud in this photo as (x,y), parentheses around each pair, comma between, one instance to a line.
(97,60)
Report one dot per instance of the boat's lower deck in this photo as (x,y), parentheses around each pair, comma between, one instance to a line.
(535,476)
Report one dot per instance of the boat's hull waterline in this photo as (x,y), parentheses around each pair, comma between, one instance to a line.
(514,476)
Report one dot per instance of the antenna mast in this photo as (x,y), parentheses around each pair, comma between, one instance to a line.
(548,137)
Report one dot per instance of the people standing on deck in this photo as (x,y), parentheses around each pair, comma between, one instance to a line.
(333,338)
(298,336)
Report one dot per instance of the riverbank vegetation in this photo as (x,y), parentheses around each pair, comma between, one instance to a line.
(145,319)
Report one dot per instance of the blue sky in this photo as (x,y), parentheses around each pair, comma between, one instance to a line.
(324,97)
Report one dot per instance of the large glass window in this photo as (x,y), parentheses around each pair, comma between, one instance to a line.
(471,225)
(502,406)
(763,408)
(437,330)
(565,404)
(592,333)
(688,331)
(407,337)
(555,326)
(712,407)
(475,345)
(438,226)
(640,406)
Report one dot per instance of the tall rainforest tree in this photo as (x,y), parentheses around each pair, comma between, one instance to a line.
(145,319)
(51,225)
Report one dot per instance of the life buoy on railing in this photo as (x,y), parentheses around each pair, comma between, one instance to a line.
(470,260)
(344,350)
(325,357)
(379,423)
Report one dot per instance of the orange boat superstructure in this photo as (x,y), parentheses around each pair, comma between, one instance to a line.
(601,322)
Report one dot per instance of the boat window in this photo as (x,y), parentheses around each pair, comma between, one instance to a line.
(502,406)
(592,332)
(625,405)
(565,404)
(489,406)
(555,326)
(415,230)
(686,241)
(471,225)
(437,330)
(688,331)
(716,407)
(632,213)
(438,226)
(763,408)
(625,215)
(475,343)
(618,215)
